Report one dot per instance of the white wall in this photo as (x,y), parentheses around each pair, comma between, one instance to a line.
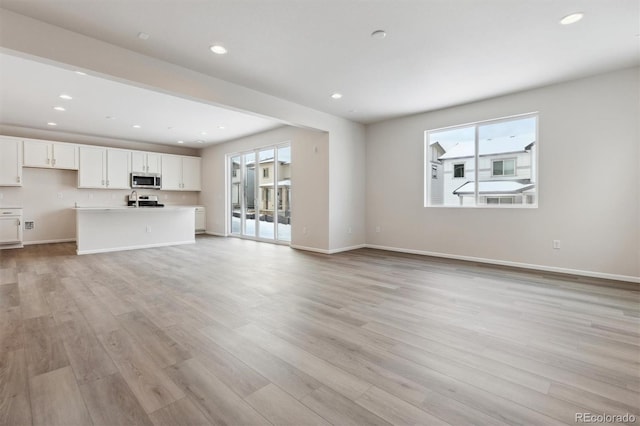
(588,180)
(309,182)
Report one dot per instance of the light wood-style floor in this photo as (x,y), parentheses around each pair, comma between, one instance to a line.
(234,332)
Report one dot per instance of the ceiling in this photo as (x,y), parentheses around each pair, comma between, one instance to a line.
(437,53)
(30,90)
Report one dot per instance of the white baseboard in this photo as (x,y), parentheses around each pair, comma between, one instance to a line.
(112,249)
(592,274)
(62,240)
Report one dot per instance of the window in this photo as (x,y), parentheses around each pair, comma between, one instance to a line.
(458,170)
(500,200)
(265,172)
(485,163)
(503,167)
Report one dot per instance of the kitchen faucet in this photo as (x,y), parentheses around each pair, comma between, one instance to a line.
(131,196)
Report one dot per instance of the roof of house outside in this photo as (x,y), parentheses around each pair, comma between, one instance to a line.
(493,146)
(495,187)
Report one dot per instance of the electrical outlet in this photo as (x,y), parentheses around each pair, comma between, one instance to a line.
(304,229)
(556,244)
(59,194)
(90,195)
(377,229)
(148,229)
(349,231)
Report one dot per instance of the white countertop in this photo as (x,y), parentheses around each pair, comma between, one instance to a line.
(131,208)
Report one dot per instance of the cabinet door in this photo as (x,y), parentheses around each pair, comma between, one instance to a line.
(153,163)
(64,156)
(191,174)
(37,153)
(10,230)
(10,162)
(118,169)
(138,162)
(171,172)
(91,173)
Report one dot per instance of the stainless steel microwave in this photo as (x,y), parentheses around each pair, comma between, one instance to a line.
(146,180)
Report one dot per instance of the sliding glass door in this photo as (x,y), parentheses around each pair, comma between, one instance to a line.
(260,193)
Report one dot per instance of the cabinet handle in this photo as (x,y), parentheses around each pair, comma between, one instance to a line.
(53,162)
(18,179)
(102,182)
(48,161)
(107,183)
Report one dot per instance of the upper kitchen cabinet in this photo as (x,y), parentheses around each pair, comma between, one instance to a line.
(104,168)
(145,162)
(48,155)
(181,173)
(10,162)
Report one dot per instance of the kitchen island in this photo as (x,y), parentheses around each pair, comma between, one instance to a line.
(106,229)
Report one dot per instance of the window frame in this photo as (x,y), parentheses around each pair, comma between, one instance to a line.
(477,124)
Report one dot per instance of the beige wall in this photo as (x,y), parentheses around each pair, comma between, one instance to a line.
(309,182)
(588,180)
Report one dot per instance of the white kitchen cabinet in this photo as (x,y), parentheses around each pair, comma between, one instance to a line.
(191,174)
(145,162)
(181,173)
(10,162)
(10,227)
(104,168)
(48,155)
(201,221)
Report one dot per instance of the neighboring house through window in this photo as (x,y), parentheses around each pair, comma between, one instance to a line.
(490,163)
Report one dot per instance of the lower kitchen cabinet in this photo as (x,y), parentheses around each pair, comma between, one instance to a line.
(10,227)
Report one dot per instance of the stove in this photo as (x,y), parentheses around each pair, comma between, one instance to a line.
(144,201)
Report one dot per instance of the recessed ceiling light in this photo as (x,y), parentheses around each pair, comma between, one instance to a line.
(181,142)
(143,36)
(65,97)
(336,95)
(200,141)
(572,19)
(81,73)
(221,127)
(379,34)
(203,133)
(51,123)
(218,49)
(136,126)
(59,108)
